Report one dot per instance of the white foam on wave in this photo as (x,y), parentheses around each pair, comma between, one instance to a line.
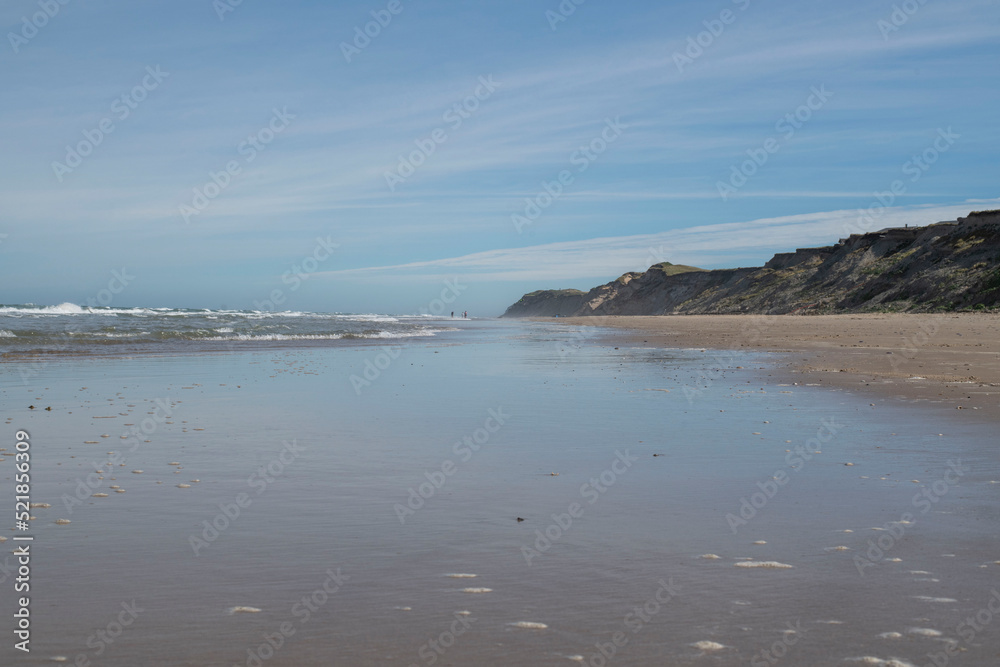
(401,334)
(528,625)
(765,564)
(243,610)
(336,336)
(370,317)
(62,309)
(477,590)
(891,635)
(7,334)
(925,598)
(460,575)
(69,308)
(109,334)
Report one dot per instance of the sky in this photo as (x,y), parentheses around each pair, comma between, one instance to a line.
(370,156)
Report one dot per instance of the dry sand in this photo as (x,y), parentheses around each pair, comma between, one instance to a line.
(952,358)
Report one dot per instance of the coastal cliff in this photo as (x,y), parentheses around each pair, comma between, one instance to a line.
(941,267)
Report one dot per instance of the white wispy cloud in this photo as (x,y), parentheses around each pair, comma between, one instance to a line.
(705,245)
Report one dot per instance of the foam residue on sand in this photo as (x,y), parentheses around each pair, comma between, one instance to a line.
(705,645)
(243,610)
(924,632)
(765,564)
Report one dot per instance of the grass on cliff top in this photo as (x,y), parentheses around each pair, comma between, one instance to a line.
(554,292)
(673,269)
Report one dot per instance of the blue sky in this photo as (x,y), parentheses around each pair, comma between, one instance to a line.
(830,102)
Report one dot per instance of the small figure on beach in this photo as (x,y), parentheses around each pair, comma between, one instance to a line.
(453,314)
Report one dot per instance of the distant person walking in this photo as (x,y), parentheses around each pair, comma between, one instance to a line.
(453,314)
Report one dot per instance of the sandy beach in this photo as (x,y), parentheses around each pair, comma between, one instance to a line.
(948,357)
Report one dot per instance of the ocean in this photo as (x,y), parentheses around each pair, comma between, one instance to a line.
(239,488)
(68,327)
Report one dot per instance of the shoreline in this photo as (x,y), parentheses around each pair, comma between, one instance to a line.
(950,358)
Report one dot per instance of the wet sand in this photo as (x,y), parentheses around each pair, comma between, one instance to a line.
(952,358)
(267,490)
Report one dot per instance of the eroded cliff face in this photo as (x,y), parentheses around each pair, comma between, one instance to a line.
(946,266)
